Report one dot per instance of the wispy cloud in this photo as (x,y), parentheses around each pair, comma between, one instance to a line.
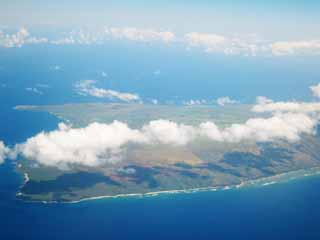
(88,88)
(143,35)
(19,38)
(316,90)
(34,90)
(194,102)
(214,43)
(311,47)
(104,74)
(222,101)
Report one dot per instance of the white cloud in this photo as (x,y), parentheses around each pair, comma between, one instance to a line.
(104,74)
(194,102)
(296,47)
(19,38)
(4,151)
(168,132)
(249,46)
(287,126)
(210,40)
(222,101)
(143,35)
(263,100)
(100,36)
(88,88)
(267,105)
(14,40)
(35,40)
(34,90)
(82,36)
(99,143)
(93,145)
(316,90)
(63,41)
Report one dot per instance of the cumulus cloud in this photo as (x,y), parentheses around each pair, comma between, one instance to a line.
(143,35)
(316,90)
(296,47)
(92,145)
(287,126)
(222,101)
(267,105)
(88,88)
(4,151)
(168,132)
(100,143)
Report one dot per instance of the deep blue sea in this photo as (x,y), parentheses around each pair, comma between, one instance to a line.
(283,211)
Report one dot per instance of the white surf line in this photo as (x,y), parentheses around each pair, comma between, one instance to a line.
(26,178)
(258,182)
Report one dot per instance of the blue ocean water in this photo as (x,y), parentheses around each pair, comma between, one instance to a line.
(281,211)
(130,67)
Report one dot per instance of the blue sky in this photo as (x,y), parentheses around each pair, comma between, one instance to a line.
(281,19)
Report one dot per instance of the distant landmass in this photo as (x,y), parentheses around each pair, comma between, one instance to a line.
(153,168)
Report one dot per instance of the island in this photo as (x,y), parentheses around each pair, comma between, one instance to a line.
(201,164)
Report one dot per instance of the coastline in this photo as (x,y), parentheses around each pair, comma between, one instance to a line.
(260,182)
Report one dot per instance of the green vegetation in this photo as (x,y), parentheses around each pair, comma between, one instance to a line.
(153,168)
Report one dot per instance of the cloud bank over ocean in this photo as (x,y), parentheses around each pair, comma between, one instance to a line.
(244,45)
